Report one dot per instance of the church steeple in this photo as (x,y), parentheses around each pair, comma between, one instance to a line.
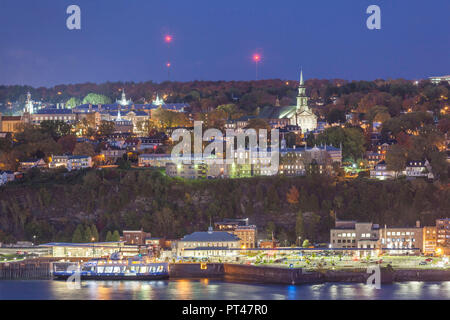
(29,104)
(302,99)
(123,99)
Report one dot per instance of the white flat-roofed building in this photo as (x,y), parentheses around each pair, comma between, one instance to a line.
(352,234)
(154,160)
(71,162)
(437,80)
(90,250)
(402,240)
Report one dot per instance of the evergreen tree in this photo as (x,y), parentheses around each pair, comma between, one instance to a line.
(116,236)
(87,234)
(299,227)
(94,232)
(108,236)
(77,236)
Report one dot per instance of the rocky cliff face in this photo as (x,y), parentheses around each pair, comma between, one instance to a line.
(124,199)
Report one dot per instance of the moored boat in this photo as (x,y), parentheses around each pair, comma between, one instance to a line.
(113,268)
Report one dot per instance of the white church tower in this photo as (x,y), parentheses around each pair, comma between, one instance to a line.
(29,107)
(304,117)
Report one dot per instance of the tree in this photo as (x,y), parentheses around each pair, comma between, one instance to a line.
(77,236)
(230,109)
(115,236)
(87,234)
(123,164)
(84,149)
(94,98)
(305,243)
(396,158)
(439,165)
(335,115)
(72,103)
(108,236)
(299,226)
(67,143)
(292,139)
(293,195)
(94,232)
(166,118)
(352,140)
(55,128)
(258,124)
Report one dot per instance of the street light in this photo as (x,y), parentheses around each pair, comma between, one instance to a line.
(93,247)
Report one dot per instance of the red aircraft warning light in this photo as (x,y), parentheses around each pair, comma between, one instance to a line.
(256,59)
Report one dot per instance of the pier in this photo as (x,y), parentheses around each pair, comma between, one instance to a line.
(25,270)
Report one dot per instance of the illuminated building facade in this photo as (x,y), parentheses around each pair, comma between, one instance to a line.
(219,244)
(299,114)
(437,80)
(89,250)
(352,234)
(443,235)
(70,162)
(239,227)
(402,240)
(10,124)
(429,239)
(186,170)
(136,237)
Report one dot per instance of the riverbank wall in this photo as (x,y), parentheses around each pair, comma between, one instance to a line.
(196,270)
(299,276)
(263,274)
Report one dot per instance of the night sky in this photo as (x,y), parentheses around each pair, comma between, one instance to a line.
(123,40)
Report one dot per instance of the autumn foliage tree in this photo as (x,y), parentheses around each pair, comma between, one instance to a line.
(293,195)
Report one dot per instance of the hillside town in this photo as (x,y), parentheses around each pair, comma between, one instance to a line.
(377,143)
(340,141)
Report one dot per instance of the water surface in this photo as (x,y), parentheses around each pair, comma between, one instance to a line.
(204,289)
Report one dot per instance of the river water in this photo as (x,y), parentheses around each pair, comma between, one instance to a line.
(204,289)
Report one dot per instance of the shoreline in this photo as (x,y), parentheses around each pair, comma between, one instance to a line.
(264,275)
(252,274)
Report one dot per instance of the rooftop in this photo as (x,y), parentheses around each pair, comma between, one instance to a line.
(210,236)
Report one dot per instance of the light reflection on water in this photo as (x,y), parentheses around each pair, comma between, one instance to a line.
(205,289)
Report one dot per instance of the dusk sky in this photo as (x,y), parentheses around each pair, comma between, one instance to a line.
(123,40)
